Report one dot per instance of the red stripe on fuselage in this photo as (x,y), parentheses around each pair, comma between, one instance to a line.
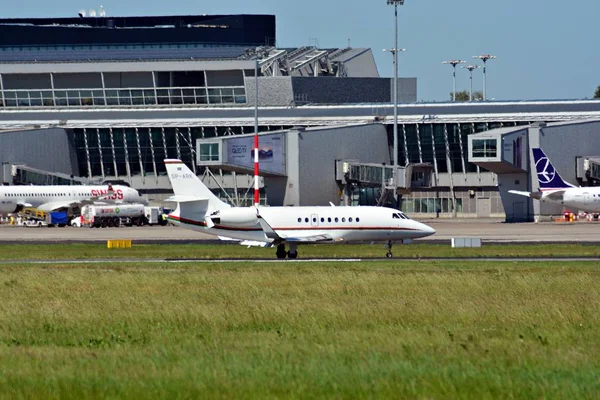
(311,228)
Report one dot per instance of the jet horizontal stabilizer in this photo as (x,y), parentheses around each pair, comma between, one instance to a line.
(534,195)
(184,199)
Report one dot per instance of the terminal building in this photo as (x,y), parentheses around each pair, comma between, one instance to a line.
(128,92)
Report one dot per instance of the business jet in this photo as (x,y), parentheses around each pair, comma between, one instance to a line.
(199,209)
(553,189)
(50,198)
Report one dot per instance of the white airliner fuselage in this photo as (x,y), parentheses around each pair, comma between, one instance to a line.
(341,224)
(49,198)
(581,198)
(199,209)
(553,189)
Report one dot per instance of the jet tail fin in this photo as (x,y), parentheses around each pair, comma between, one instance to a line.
(548,176)
(187,187)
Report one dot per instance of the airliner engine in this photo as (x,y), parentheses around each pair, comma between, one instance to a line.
(242,217)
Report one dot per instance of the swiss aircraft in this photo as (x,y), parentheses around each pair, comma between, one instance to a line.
(50,198)
(553,189)
(199,209)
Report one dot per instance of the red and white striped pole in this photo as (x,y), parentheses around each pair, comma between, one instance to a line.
(256,194)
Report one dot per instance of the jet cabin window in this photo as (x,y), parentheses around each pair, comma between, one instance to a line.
(399,216)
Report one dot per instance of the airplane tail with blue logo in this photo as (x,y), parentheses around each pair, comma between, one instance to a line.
(548,176)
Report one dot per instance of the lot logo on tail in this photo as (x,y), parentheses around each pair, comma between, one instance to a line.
(548,176)
(545,170)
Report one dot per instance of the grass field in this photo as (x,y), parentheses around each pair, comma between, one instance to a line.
(420,329)
(204,251)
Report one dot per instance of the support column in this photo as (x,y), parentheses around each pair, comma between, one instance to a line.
(449,166)
(435,165)
(112,144)
(150,133)
(177,146)
(139,149)
(164,143)
(100,152)
(419,144)
(127,166)
(53,91)
(462,154)
(103,88)
(478,169)
(154,87)
(2,90)
(406,162)
(87,153)
(192,148)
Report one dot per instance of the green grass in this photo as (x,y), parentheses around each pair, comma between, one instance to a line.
(204,251)
(420,329)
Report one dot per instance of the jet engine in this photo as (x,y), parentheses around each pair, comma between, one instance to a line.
(240,217)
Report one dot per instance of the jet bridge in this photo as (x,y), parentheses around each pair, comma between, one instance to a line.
(351,174)
(17,174)
(588,170)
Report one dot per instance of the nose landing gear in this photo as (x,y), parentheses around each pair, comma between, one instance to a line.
(389,249)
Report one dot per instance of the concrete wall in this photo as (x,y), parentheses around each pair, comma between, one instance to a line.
(47,149)
(272,91)
(318,150)
(332,90)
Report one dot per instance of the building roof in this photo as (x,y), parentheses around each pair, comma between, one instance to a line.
(306,115)
(144,54)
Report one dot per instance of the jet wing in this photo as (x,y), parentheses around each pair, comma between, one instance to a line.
(249,243)
(56,205)
(280,237)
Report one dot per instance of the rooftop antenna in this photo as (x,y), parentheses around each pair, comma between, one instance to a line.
(81,13)
(92,12)
(102,12)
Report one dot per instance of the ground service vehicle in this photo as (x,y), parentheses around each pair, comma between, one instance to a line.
(97,216)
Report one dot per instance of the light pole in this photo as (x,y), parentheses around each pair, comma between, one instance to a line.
(454,63)
(471,68)
(484,58)
(395,3)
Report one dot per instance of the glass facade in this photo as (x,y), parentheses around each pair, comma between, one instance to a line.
(442,145)
(126,152)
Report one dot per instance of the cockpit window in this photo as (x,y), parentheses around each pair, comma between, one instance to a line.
(399,216)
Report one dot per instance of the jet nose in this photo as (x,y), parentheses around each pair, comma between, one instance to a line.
(425,230)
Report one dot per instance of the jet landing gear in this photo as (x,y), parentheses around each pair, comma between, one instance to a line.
(281,253)
(389,249)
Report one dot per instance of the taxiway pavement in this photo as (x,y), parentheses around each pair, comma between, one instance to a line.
(487,230)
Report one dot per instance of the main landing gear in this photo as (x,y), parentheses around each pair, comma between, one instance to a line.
(281,253)
(389,249)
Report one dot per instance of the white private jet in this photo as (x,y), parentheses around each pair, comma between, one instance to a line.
(199,209)
(554,189)
(50,198)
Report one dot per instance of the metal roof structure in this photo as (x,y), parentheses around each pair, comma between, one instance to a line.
(520,111)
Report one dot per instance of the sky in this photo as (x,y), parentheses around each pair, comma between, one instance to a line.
(546,49)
